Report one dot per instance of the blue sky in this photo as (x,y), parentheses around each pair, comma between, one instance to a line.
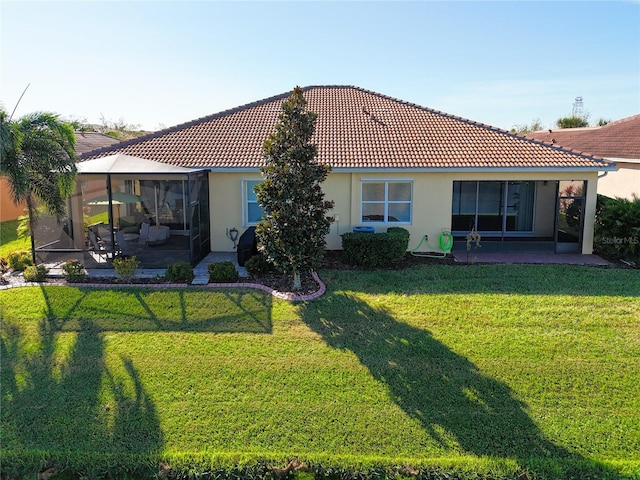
(158,64)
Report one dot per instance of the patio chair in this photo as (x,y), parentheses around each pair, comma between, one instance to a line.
(103,231)
(123,246)
(98,246)
(144,233)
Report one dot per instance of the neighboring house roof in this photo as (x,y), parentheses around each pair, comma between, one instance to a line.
(88,141)
(356,129)
(619,139)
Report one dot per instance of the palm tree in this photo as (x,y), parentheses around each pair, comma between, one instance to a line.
(38,159)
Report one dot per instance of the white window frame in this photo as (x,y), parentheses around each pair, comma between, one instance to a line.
(245,201)
(386,201)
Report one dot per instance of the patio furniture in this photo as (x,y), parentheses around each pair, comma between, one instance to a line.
(122,245)
(144,233)
(98,246)
(132,223)
(104,233)
(158,235)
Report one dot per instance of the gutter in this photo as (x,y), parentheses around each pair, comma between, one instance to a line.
(609,168)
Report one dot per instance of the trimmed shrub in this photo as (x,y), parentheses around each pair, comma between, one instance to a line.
(399,231)
(35,273)
(222,272)
(19,260)
(73,271)
(125,267)
(257,265)
(374,249)
(617,228)
(180,272)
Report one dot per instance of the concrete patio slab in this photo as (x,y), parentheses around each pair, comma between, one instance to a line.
(201,268)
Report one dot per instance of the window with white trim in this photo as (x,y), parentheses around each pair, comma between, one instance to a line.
(252,209)
(386,201)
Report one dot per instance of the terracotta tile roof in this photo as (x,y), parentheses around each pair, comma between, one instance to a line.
(619,139)
(356,129)
(88,141)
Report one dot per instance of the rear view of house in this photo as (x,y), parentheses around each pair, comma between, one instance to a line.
(393,163)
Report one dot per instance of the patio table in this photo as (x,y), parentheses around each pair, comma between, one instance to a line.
(158,235)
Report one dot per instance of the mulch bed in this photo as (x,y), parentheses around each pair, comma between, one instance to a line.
(275,280)
(333,261)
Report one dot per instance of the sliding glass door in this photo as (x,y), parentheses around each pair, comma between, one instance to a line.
(520,200)
(493,207)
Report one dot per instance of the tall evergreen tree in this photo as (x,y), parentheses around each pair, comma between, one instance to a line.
(292,232)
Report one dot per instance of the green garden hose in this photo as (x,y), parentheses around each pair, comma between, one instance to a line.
(445,241)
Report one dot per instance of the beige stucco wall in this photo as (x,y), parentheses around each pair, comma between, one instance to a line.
(432,199)
(624,183)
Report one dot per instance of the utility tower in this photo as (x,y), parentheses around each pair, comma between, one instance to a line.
(577,108)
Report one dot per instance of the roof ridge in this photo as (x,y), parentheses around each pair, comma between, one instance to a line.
(436,112)
(349,90)
(182,126)
(485,126)
(206,118)
(622,120)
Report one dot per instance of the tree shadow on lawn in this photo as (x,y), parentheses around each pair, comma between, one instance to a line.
(556,280)
(242,311)
(447,393)
(57,400)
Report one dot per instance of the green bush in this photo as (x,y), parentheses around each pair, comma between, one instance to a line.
(73,271)
(180,272)
(35,273)
(19,260)
(125,267)
(374,249)
(257,265)
(222,272)
(617,228)
(398,231)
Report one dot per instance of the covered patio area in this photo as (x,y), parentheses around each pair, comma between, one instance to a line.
(129,206)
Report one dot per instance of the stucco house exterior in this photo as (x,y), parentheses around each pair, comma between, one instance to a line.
(617,141)
(393,163)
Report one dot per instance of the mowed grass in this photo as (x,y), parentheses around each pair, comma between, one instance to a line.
(9,241)
(516,367)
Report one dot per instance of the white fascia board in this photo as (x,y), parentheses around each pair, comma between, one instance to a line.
(476,169)
(234,170)
(623,160)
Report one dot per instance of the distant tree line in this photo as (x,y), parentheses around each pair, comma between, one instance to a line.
(571,121)
(118,129)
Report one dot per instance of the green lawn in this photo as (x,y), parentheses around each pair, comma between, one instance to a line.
(9,241)
(492,370)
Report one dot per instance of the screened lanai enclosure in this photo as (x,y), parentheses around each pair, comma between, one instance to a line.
(127,206)
(528,215)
